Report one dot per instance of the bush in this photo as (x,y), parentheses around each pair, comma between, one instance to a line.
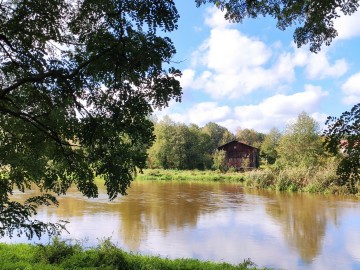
(286,178)
(56,252)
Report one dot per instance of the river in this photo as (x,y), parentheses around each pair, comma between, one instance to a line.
(217,222)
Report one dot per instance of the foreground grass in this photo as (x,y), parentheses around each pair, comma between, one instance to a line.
(60,255)
(190,175)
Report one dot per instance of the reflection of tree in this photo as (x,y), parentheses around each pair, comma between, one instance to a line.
(303,218)
(151,207)
(162,206)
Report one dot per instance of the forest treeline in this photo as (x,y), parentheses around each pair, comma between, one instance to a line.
(181,146)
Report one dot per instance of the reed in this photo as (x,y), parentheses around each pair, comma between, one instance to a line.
(320,179)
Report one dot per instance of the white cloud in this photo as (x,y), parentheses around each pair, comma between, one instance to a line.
(234,65)
(275,111)
(279,109)
(187,78)
(318,66)
(229,64)
(351,90)
(205,112)
(228,50)
(215,18)
(347,26)
(199,114)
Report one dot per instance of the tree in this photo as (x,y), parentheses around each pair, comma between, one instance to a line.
(219,160)
(179,146)
(343,135)
(315,18)
(269,145)
(161,153)
(301,143)
(250,137)
(78,80)
(218,135)
(227,137)
(198,152)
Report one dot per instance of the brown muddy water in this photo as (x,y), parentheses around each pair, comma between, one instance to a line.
(217,222)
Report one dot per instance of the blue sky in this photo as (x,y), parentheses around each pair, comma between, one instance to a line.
(251,75)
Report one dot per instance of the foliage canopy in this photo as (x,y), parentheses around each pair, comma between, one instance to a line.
(314,19)
(78,80)
(343,134)
(301,143)
(179,146)
(269,145)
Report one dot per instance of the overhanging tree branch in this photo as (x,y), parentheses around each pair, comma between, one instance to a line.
(53,73)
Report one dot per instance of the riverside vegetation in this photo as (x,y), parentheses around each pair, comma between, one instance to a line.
(106,256)
(295,179)
(299,159)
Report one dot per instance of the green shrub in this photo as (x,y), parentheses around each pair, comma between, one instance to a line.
(56,252)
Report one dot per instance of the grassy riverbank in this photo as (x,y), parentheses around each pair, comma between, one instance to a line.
(321,179)
(106,256)
(190,175)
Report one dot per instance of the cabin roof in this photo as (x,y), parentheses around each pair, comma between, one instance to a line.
(236,141)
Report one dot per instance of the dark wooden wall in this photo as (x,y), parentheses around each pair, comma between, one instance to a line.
(240,155)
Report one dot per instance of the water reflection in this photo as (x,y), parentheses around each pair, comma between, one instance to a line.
(220,222)
(152,206)
(303,220)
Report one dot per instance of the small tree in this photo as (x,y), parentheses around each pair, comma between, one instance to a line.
(301,143)
(268,147)
(219,158)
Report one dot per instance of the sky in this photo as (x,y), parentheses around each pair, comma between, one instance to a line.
(252,75)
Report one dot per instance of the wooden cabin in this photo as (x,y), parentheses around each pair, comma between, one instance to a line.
(240,155)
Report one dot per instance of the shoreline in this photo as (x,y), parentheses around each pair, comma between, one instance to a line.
(321,180)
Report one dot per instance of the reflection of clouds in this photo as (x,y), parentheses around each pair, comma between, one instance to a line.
(225,238)
(94,228)
(353,244)
(342,243)
(352,238)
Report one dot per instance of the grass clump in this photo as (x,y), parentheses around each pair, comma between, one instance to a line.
(319,179)
(106,256)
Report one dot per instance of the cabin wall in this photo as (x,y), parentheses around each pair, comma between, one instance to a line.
(241,156)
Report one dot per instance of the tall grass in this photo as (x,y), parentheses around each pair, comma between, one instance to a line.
(321,179)
(106,256)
